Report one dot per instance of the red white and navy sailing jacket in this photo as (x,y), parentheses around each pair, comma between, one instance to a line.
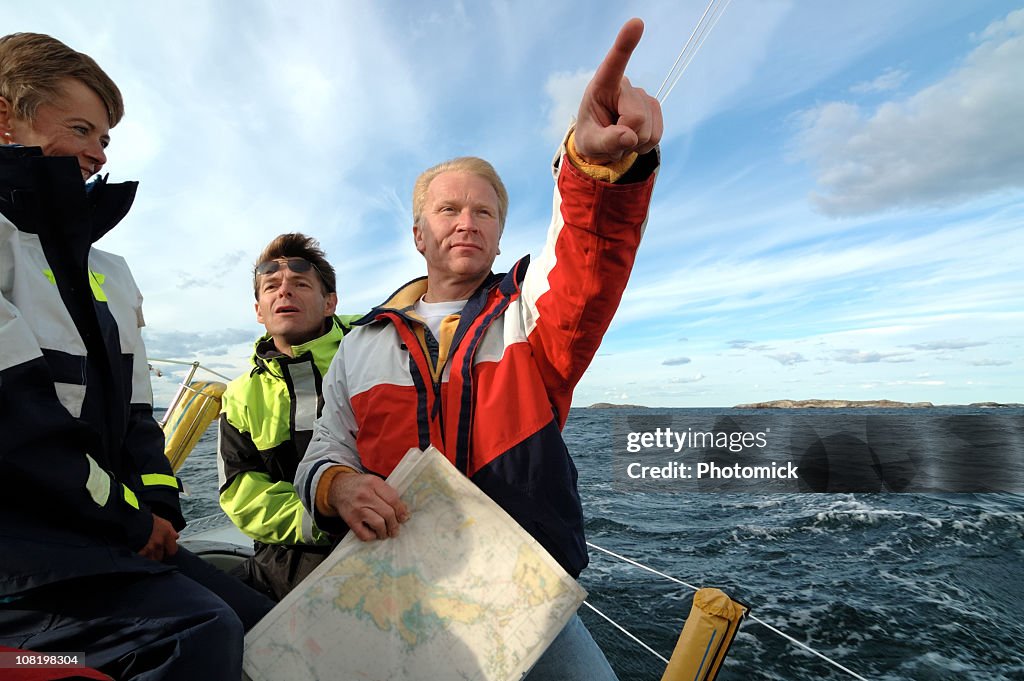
(522,344)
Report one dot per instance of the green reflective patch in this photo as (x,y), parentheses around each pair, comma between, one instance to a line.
(159,479)
(130,497)
(96,283)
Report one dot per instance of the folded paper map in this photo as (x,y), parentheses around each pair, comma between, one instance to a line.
(462,593)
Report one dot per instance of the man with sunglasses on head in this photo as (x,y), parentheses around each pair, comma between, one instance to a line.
(267,415)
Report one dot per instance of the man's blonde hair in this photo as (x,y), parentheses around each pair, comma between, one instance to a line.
(463,164)
(32,66)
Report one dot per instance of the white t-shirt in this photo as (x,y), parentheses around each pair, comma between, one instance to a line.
(434,313)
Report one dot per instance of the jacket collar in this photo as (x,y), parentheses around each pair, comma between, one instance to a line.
(38,193)
(266,356)
(403,301)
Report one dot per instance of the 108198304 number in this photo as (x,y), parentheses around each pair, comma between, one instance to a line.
(26,660)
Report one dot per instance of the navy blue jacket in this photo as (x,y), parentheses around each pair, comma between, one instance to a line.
(81,457)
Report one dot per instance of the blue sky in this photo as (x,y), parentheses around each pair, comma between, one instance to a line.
(838,213)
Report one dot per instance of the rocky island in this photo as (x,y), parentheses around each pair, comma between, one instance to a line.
(834,404)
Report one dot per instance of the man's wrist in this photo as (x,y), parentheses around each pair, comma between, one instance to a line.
(606,172)
(323,489)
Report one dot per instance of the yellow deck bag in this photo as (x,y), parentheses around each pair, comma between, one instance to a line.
(705,638)
(196,407)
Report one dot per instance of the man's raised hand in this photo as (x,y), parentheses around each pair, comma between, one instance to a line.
(616,118)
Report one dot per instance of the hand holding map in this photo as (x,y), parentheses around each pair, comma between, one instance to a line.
(368,505)
(463,593)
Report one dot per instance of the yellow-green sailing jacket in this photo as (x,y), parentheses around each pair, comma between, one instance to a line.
(266,423)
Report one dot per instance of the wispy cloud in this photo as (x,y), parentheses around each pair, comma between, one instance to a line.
(948,345)
(890,79)
(991,362)
(676,361)
(185,281)
(870,357)
(787,358)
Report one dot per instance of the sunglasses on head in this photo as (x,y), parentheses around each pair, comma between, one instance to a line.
(297,265)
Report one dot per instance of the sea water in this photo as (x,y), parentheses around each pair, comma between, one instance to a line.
(892,586)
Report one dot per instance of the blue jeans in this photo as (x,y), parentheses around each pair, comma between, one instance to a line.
(572,656)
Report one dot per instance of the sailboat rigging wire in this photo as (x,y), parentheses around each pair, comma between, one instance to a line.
(693,588)
(643,567)
(683,51)
(618,626)
(712,13)
(807,648)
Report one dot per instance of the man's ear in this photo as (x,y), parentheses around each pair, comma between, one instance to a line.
(417,237)
(330,304)
(259,315)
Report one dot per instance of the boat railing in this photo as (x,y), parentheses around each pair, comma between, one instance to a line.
(184,386)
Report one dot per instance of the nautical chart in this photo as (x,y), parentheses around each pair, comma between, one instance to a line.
(462,593)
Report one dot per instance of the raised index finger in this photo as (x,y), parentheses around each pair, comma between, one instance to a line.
(609,73)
